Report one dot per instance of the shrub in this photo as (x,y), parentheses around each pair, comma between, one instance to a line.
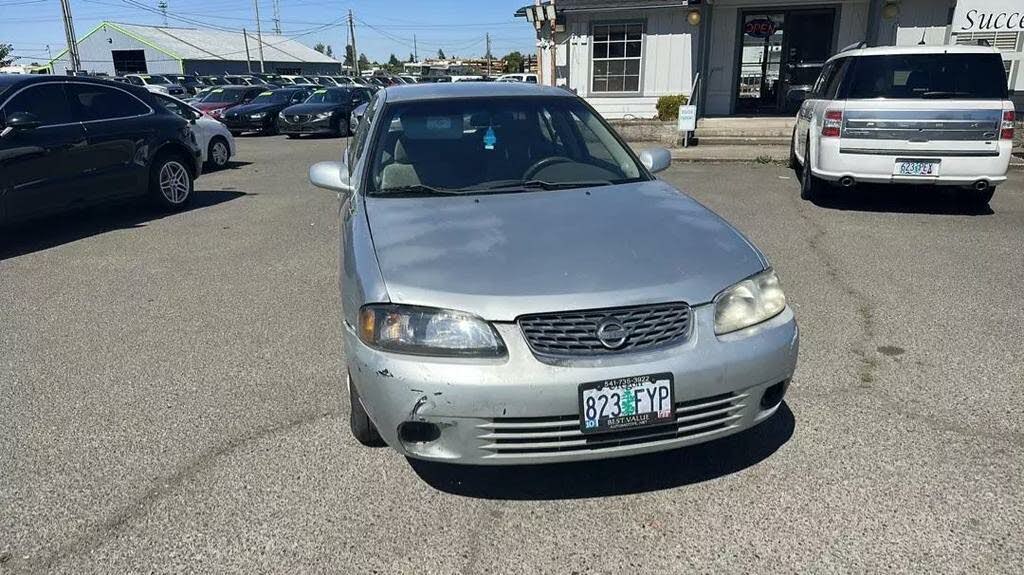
(668,107)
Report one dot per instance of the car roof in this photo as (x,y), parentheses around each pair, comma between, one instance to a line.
(7,80)
(894,50)
(432,91)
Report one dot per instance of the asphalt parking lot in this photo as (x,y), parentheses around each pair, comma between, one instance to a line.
(171,401)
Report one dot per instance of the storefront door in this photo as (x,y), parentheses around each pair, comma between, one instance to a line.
(781,54)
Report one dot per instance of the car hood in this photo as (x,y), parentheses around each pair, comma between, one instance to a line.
(254,108)
(311,108)
(500,256)
(206,106)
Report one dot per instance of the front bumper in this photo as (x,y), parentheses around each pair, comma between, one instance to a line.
(308,127)
(520,410)
(244,124)
(863,161)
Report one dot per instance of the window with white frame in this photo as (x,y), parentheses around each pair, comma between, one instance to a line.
(616,59)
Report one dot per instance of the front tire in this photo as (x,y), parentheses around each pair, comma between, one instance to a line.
(342,128)
(810,186)
(359,422)
(794,163)
(218,154)
(171,182)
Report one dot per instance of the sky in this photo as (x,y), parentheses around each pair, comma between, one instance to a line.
(382,27)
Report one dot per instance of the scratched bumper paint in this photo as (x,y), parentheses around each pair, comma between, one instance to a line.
(461,395)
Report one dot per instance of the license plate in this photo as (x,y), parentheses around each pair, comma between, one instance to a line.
(916,167)
(626,403)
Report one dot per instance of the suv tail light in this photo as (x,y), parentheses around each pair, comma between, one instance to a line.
(1007,132)
(830,128)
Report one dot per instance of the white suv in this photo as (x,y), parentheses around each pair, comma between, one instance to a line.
(924,115)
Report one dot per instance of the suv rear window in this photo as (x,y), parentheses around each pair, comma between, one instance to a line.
(936,76)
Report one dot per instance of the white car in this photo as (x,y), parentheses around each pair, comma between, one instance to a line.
(528,78)
(156,83)
(935,115)
(214,139)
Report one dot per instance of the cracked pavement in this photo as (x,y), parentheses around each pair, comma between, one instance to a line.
(171,400)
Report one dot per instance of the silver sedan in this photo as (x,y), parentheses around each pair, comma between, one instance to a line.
(517,287)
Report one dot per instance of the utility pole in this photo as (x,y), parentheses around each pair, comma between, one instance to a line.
(277,18)
(415,52)
(162,5)
(248,61)
(352,33)
(69,33)
(488,54)
(259,35)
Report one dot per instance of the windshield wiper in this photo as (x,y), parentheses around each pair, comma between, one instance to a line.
(418,190)
(941,94)
(506,185)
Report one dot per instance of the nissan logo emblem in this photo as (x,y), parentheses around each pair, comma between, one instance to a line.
(612,333)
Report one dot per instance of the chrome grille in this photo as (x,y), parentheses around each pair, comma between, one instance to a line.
(297,119)
(570,334)
(523,436)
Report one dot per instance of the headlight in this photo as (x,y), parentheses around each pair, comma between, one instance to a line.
(257,115)
(749,302)
(323,115)
(428,331)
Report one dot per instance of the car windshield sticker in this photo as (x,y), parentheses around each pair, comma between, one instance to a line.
(266,93)
(320,92)
(218,90)
(490,139)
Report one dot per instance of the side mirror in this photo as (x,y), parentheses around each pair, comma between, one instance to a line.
(656,159)
(23,122)
(330,176)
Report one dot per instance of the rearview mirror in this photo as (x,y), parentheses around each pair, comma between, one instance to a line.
(330,176)
(656,159)
(22,122)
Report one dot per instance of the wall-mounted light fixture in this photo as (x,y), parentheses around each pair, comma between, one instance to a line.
(891,10)
(693,17)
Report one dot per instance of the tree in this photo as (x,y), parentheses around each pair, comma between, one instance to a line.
(514,62)
(330,51)
(440,54)
(350,57)
(394,64)
(364,62)
(411,58)
(6,58)
(319,47)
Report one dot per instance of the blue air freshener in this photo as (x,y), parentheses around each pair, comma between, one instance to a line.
(490,139)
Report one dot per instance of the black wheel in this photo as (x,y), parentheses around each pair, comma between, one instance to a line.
(362,428)
(271,129)
(810,186)
(342,128)
(171,182)
(218,154)
(979,199)
(794,163)
(236,133)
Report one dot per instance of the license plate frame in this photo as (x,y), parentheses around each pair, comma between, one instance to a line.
(644,384)
(915,167)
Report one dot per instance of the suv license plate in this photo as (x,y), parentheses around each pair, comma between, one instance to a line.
(626,403)
(907,167)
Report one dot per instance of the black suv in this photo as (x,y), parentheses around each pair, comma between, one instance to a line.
(70,141)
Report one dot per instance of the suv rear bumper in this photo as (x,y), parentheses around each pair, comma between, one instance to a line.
(958,167)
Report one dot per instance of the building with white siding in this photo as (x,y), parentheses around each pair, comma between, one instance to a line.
(115,48)
(738,57)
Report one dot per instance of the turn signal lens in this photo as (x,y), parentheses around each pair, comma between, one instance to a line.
(830,127)
(1007,129)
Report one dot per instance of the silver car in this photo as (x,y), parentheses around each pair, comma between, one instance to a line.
(517,287)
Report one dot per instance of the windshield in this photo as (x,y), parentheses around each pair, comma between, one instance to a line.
(918,76)
(221,95)
(302,80)
(329,97)
(496,145)
(155,80)
(275,97)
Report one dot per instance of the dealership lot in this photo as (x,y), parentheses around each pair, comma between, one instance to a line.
(172,401)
